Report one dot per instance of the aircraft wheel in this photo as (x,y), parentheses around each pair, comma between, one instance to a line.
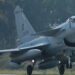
(29,70)
(61,69)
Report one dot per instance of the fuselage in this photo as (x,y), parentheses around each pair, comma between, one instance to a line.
(55,44)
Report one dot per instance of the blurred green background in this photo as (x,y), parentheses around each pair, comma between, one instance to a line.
(41,14)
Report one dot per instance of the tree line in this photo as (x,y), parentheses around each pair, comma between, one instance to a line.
(41,14)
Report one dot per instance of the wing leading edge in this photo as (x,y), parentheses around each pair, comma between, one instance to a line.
(23,48)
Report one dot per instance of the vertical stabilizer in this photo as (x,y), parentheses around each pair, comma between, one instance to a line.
(24,28)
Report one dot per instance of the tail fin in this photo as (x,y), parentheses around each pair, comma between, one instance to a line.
(24,28)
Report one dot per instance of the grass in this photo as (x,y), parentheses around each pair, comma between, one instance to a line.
(12,72)
(43,72)
(24,72)
(4,70)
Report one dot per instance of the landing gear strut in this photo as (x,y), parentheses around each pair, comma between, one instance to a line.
(69,63)
(29,70)
(61,68)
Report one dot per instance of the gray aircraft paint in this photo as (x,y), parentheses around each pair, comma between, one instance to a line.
(47,46)
(24,28)
(55,43)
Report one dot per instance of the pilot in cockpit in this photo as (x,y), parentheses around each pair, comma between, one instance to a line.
(71,21)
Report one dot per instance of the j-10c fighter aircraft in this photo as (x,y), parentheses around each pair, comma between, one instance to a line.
(55,47)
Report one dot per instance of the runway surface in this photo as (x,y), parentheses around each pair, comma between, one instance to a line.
(11,74)
(25,74)
(33,74)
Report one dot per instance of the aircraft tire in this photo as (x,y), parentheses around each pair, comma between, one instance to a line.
(29,69)
(61,69)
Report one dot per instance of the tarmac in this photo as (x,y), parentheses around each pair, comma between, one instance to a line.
(32,74)
(24,74)
(11,74)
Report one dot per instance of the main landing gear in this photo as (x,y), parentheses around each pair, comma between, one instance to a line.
(30,69)
(69,63)
(61,68)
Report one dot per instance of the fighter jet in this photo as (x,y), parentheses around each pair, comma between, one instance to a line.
(54,47)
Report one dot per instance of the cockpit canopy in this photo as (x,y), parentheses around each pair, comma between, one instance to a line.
(70,23)
(71,19)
